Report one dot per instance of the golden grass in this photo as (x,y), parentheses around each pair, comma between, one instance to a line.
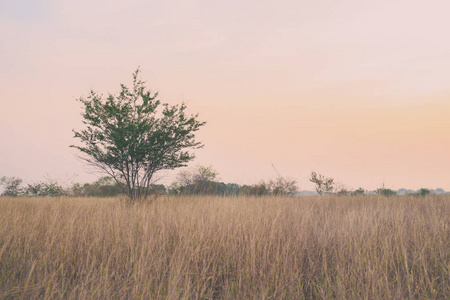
(231,248)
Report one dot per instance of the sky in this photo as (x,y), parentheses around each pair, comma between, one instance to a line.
(355,90)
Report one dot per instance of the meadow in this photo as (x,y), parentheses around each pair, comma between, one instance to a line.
(364,247)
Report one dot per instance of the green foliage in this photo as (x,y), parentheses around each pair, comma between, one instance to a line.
(281,186)
(259,189)
(343,192)
(386,192)
(106,187)
(195,181)
(324,185)
(34,189)
(424,192)
(52,189)
(131,136)
(359,191)
(76,190)
(103,187)
(276,187)
(201,180)
(196,176)
(49,188)
(11,185)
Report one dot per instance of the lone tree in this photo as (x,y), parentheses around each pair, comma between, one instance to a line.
(324,185)
(131,136)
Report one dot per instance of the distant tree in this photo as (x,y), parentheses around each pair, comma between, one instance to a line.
(34,189)
(105,187)
(281,186)
(201,180)
(424,192)
(76,190)
(197,175)
(197,180)
(102,187)
(386,192)
(231,189)
(383,191)
(343,192)
(128,139)
(52,189)
(49,188)
(11,185)
(324,185)
(359,191)
(260,189)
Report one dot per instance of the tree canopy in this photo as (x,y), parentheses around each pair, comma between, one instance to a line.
(132,135)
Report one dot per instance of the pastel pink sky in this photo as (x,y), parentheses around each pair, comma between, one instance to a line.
(356,90)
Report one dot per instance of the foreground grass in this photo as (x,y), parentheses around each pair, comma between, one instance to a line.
(208,247)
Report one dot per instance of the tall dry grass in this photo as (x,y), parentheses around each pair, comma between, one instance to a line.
(232,248)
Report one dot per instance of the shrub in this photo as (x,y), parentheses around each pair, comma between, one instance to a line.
(424,192)
(359,191)
(386,192)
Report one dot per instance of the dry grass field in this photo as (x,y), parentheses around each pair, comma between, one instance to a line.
(226,248)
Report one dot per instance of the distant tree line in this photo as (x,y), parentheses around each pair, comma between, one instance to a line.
(103,187)
(196,181)
(327,185)
(202,181)
(199,180)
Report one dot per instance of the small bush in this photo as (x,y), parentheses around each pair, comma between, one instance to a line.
(386,192)
(424,192)
(359,191)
